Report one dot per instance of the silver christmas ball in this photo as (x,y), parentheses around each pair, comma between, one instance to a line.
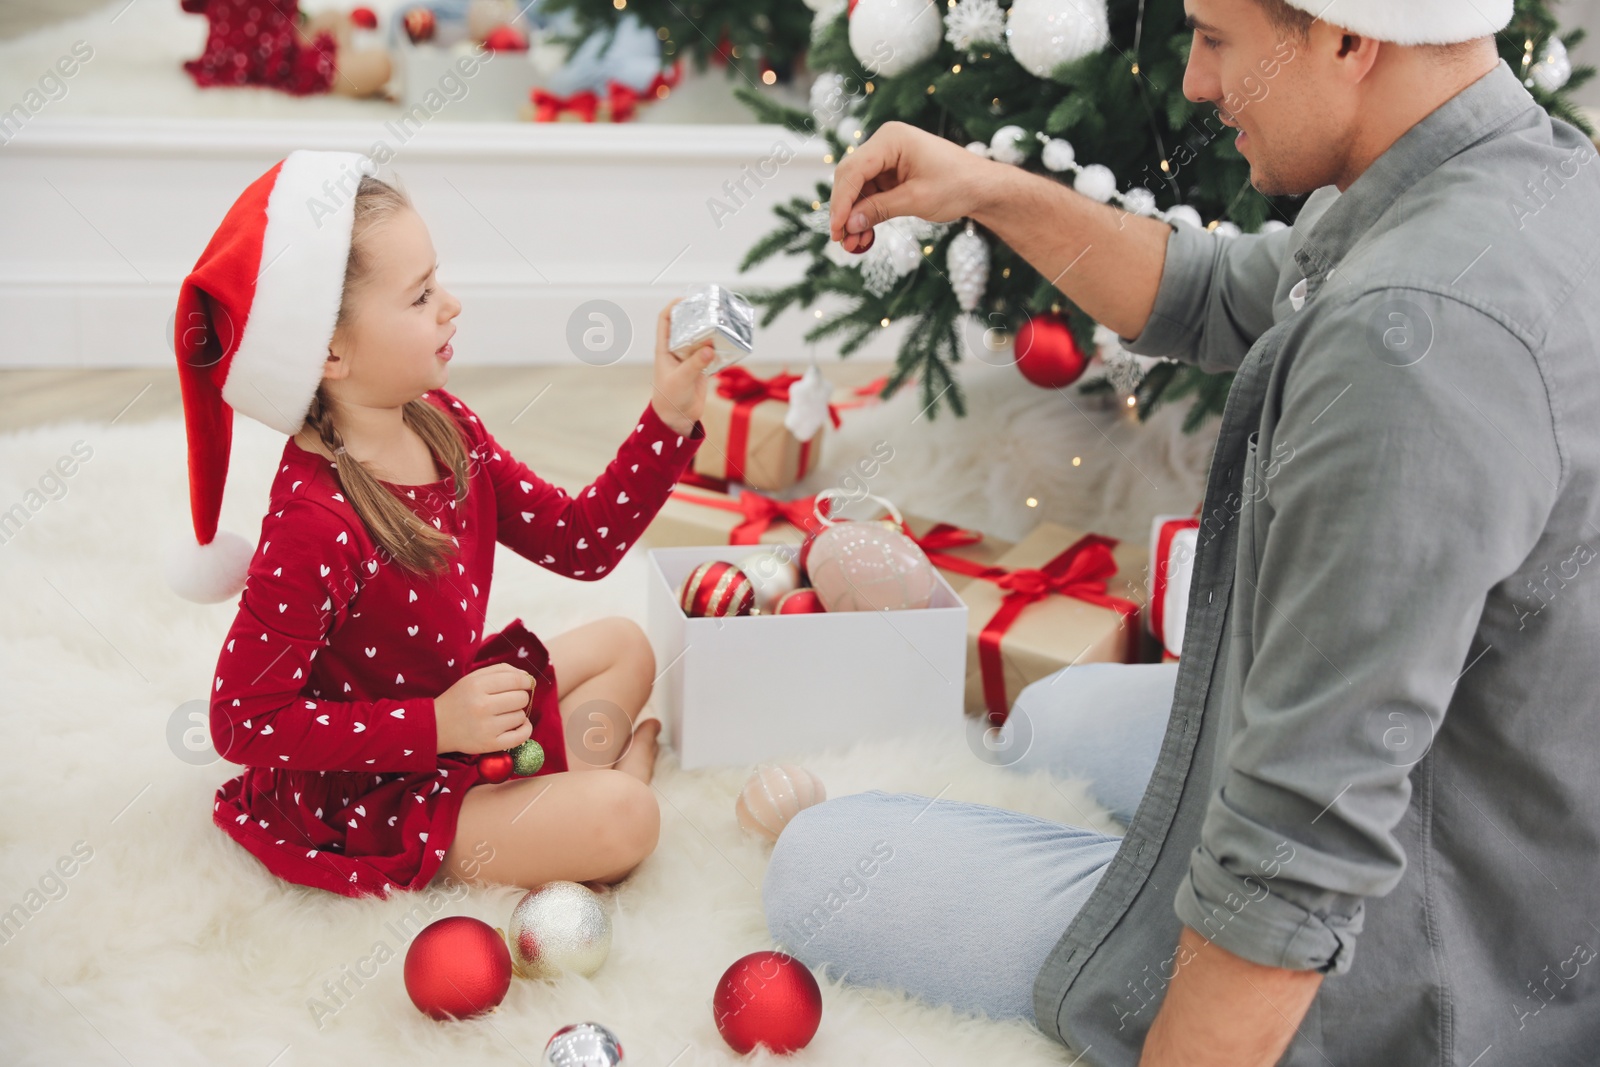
(890,37)
(559,927)
(1554,66)
(583,1045)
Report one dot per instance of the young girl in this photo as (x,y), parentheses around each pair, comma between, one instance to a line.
(357,684)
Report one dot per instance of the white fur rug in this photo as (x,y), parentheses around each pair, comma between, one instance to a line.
(167,943)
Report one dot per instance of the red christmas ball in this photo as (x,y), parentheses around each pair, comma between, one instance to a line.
(716,590)
(457,967)
(799,602)
(495,766)
(364,18)
(767,998)
(419,24)
(1047,353)
(506,39)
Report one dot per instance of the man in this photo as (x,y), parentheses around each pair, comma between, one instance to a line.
(1382,730)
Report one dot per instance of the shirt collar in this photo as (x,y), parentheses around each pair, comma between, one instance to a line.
(1464,119)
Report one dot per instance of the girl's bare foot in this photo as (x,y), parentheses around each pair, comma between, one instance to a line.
(640,758)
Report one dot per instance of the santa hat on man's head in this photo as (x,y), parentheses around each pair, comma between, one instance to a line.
(254,321)
(1413,21)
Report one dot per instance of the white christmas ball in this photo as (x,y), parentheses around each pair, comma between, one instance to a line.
(1273,226)
(820,5)
(890,37)
(1139,201)
(1185,214)
(772,573)
(1554,67)
(1227,229)
(850,130)
(978,148)
(1096,182)
(1044,34)
(1058,155)
(1009,144)
(893,240)
(827,95)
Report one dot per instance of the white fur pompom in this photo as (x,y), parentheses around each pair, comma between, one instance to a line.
(1227,229)
(978,148)
(209,574)
(1139,200)
(1009,144)
(1187,215)
(1058,154)
(1096,182)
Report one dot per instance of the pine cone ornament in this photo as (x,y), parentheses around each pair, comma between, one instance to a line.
(968,264)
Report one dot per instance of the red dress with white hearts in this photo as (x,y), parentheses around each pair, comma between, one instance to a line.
(325,686)
(260,42)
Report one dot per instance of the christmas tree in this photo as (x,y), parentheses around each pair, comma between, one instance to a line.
(1099,103)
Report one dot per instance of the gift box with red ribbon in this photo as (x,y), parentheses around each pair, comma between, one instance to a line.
(1059,597)
(709,511)
(1173,540)
(746,439)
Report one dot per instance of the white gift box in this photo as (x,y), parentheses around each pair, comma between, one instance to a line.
(736,691)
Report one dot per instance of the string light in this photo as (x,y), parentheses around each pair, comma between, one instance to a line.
(619,4)
(1131,401)
(956,69)
(819,313)
(769,76)
(1032,501)
(884,322)
(1077,461)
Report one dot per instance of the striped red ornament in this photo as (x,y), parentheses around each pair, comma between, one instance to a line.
(716,590)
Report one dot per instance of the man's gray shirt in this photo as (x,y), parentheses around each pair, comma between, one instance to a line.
(1384,727)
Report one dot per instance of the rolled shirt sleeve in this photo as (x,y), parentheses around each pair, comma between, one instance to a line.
(1215,297)
(1400,495)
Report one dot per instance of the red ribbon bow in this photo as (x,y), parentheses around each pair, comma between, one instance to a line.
(547,107)
(1079,572)
(625,99)
(746,391)
(760,512)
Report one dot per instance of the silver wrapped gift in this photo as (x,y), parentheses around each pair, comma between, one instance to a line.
(711,312)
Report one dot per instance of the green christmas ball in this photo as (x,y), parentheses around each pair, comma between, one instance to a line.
(527,758)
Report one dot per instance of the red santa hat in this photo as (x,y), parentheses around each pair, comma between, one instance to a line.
(1413,21)
(254,321)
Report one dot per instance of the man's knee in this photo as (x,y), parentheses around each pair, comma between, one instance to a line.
(823,861)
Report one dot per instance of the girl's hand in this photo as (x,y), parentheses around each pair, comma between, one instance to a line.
(486,711)
(679,394)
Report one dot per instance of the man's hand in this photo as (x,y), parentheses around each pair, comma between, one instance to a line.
(902,170)
(1224,1011)
(679,393)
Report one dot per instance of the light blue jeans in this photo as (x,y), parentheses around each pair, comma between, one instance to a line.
(960,903)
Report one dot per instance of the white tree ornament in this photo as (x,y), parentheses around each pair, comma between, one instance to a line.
(967,259)
(890,37)
(973,23)
(1009,144)
(1044,34)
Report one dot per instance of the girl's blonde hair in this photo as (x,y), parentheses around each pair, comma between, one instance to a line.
(399,532)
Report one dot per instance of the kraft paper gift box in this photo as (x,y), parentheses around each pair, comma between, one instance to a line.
(746,440)
(737,691)
(1059,597)
(956,552)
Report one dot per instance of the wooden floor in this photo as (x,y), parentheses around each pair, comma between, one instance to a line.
(564,421)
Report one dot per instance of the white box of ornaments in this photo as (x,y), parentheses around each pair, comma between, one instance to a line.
(738,689)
